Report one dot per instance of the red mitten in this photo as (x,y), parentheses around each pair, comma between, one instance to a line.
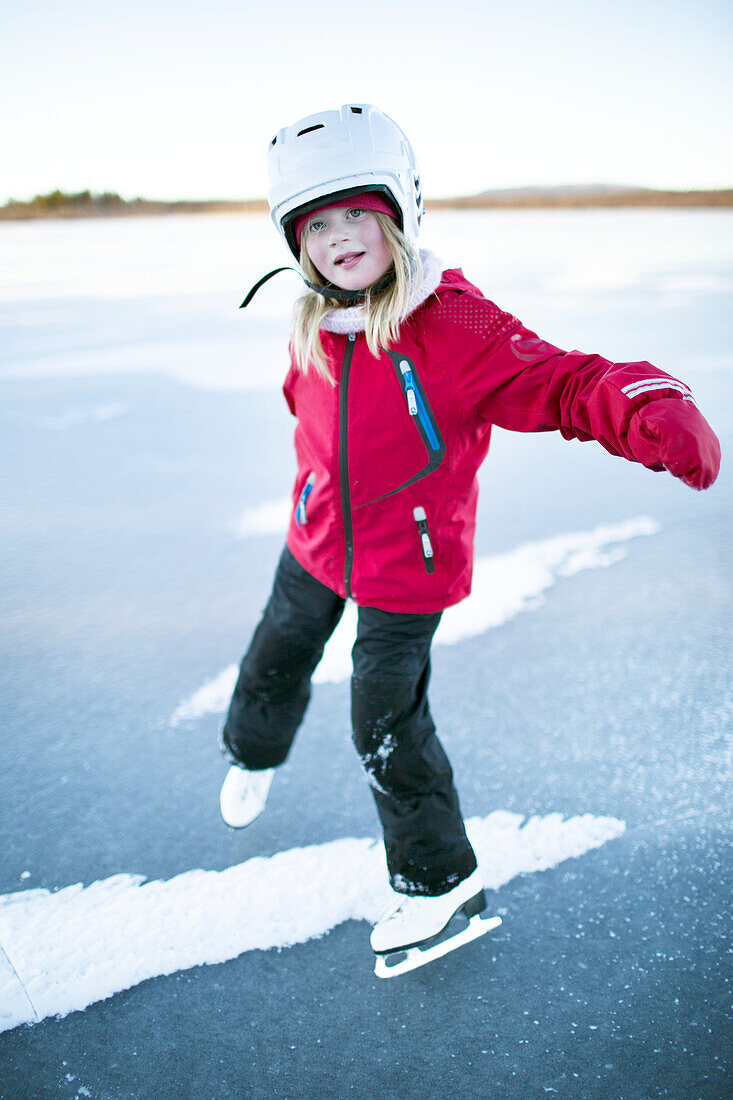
(673,435)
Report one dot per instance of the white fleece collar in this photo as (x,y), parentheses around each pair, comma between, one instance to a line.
(351,319)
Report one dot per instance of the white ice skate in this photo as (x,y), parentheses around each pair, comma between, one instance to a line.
(243,795)
(416,930)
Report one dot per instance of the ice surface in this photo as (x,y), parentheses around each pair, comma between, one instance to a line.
(79,945)
(95,302)
(161,295)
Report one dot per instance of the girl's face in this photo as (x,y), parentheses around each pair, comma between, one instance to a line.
(347,246)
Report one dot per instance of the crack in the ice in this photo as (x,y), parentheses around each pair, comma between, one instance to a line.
(20,983)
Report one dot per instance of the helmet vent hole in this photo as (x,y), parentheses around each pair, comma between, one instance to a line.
(309,129)
(356,110)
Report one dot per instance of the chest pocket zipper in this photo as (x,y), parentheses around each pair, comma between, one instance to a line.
(421,416)
(301,517)
(416,405)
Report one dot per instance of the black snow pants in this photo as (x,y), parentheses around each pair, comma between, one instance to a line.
(409,773)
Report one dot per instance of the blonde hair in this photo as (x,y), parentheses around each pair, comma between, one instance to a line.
(384,310)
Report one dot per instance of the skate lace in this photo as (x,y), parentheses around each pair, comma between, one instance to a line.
(398,909)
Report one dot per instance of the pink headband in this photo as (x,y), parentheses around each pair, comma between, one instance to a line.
(367,200)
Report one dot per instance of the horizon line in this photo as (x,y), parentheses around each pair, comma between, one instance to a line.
(77,203)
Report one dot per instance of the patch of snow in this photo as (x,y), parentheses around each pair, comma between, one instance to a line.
(509,583)
(503,586)
(67,949)
(212,698)
(335,664)
(270,518)
(386,749)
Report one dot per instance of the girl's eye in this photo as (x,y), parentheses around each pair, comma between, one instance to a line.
(355,212)
(313,227)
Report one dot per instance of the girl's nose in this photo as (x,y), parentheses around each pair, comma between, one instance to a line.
(338,233)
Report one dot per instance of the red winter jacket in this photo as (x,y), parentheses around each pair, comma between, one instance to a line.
(386,490)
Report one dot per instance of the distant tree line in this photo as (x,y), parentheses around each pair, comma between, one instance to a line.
(63,204)
(60,200)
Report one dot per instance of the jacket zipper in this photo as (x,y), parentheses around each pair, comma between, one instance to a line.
(416,405)
(344,463)
(423,419)
(301,516)
(421,520)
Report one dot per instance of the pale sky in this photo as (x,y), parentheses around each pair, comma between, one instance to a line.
(179,100)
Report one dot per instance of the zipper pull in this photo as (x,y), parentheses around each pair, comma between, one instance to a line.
(300,513)
(427,547)
(409,387)
(352,336)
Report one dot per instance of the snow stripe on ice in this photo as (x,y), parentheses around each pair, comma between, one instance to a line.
(16,1006)
(212,698)
(270,518)
(503,586)
(80,945)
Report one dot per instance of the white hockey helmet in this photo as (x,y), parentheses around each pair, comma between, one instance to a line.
(340,153)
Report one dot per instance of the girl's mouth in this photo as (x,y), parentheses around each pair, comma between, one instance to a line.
(348,260)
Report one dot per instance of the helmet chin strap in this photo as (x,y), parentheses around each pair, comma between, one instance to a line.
(353,297)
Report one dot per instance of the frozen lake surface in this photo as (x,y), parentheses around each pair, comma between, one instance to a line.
(159,295)
(146,456)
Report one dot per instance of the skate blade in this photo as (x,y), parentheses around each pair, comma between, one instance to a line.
(401,962)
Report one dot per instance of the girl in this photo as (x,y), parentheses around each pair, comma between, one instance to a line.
(398,371)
